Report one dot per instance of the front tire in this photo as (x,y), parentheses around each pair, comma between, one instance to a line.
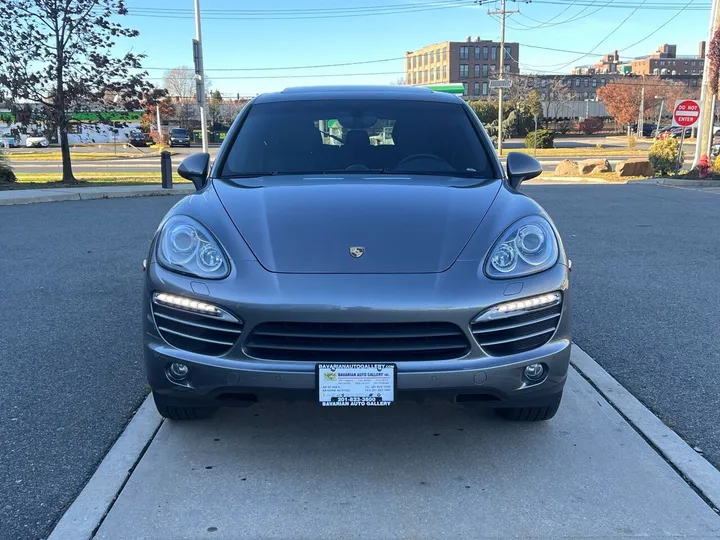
(173,412)
(530,414)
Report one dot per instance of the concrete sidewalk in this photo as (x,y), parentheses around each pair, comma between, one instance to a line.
(28,196)
(412,471)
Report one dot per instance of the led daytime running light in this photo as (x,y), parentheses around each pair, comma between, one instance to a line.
(536,301)
(185,303)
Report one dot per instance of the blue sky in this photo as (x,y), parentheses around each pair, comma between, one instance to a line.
(273,38)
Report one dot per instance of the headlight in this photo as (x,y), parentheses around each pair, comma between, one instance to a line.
(186,246)
(527,247)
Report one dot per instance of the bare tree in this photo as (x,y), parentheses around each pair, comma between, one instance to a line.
(557,96)
(63,55)
(180,83)
(400,81)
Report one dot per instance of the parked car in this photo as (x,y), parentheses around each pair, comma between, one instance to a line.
(647,129)
(675,132)
(137,138)
(8,139)
(715,146)
(179,137)
(37,141)
(357,275)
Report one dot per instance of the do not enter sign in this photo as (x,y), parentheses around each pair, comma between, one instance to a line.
(686,113)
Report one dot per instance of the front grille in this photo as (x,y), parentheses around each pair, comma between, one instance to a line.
(194,332)
(357,341)
(510,335)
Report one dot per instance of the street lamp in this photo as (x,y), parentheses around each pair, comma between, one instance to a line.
(657,127)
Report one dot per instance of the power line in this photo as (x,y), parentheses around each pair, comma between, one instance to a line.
(322,75)
(341,64)
(578,16)
(274,15)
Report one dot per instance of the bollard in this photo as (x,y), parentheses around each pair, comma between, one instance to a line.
(166,169)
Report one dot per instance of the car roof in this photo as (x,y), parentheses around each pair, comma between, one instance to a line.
(400,92)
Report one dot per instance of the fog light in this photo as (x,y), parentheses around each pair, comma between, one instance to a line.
(534,372)
(178,371)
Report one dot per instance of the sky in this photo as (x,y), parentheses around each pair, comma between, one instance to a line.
(250,46)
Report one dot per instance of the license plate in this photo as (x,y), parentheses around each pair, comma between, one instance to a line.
(356,385)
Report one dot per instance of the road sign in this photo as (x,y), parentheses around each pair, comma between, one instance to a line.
(686,113)
(501,83)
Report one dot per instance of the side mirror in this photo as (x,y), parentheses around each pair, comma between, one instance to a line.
(521,167)
(196,168)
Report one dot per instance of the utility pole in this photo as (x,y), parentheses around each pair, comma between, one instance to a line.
(503,12)
(200,76)
(641,116)
(706,120)
(662,102)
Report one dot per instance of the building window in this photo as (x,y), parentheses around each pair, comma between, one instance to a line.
(437,73)
(420,80)
(493,69)
(507,52)
(464,53)
(586,83)
(414,78)
(577,83)
(444,71)
(432,57)
(425,59)
(476,88)
(485,53)
(593,96)
(477,70)
(465,88)
(409,62)
(414,58)
(477,53)
(484,88)
(432,74)
(602,82)
(426,77)
(464,71)
(594,84)
(493,53)
(585,95)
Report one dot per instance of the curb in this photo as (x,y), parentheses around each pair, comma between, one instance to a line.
(676,182)
(12,198)
(86,513)
(694,469)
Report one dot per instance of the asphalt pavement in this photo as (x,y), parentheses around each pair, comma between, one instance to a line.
(645,272)
(646,268)
(70,347)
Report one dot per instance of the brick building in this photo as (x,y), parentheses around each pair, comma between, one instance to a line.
(473,62)
(665,61)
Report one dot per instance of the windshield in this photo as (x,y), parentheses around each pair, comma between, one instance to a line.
(179,133)
(383,136)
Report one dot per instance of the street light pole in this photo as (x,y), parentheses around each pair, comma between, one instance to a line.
(200,77)
(159,125)
(657,127)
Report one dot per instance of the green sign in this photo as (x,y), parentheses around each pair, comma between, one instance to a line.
(451,88)
(93,117)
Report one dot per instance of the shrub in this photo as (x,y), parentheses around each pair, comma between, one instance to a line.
(717,164)
(545,139)
(664,154)
(590,126)
(632,142)
(6,173)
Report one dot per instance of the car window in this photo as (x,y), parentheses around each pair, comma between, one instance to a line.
(335,135)
(179,132)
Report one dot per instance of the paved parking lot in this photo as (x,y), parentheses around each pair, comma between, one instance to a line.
(645,280)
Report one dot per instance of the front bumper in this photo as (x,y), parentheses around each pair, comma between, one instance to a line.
(236,377)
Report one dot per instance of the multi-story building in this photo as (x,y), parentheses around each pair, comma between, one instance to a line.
(665,61)
(474,63)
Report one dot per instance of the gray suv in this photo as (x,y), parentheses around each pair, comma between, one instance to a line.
(313,264)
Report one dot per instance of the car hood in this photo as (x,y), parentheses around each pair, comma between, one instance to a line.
(402,226)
